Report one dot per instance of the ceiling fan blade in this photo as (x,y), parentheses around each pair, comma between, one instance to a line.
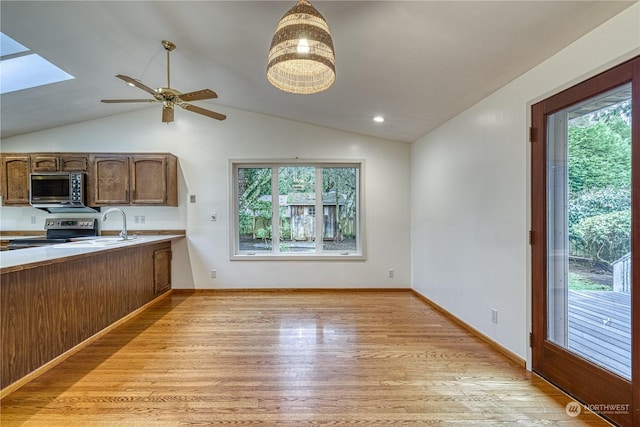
(137,84)
(198,95)
(167,114)
(114,101)
(203,111)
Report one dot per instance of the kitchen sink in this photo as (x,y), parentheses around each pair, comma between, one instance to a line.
(99,242)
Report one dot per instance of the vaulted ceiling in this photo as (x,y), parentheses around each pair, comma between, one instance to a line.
(417,63)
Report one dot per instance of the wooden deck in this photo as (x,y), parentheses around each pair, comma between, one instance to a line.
(600,328)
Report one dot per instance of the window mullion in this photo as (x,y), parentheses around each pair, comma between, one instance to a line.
(358,223)
(319,211)
(275,210)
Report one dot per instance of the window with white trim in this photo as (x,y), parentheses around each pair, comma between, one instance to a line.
(296,210)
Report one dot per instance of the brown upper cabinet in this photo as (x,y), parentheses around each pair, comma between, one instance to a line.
(108,182)
(15,179)
(56,162)
(112,178)
(136,179)
(17,166)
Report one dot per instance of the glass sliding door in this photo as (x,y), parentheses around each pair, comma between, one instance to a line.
(585,222)
(589,229)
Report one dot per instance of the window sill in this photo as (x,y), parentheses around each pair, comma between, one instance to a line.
(298,257)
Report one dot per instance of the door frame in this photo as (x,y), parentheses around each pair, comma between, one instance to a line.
(549,360)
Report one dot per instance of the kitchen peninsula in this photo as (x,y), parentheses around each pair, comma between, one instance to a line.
(54,298)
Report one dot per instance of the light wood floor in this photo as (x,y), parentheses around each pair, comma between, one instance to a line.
(365,358)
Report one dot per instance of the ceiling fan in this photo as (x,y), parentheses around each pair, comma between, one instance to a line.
(170,96)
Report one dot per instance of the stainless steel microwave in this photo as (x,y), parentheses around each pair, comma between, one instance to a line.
(57,190)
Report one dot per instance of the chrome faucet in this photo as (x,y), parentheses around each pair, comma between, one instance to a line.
(123,233)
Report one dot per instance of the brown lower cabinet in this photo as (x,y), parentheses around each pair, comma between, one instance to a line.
(162,270)
(47,310)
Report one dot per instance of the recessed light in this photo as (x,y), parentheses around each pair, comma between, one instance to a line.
(378,119)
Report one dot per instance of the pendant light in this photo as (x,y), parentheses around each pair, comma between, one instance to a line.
(301,57)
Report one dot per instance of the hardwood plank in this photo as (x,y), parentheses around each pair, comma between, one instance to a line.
(377,358)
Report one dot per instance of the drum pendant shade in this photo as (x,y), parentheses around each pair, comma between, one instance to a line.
(301,57)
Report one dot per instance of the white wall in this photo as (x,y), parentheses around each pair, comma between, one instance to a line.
(204,147)
(470,191)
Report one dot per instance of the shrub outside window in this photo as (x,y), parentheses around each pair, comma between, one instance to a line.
(316,214)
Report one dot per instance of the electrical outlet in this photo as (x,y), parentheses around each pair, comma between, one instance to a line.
(143,219)
(391,273)
(213,274)
(33,220)
(494,315)
(192,198)
(136,219)
(213,216)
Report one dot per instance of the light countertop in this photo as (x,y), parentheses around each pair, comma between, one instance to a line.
(19,236)
(32,257)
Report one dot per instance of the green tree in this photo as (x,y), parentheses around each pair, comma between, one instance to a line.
(592,202)
(599,155)
(296,179)
(600,182)
(253,184)
(606,237)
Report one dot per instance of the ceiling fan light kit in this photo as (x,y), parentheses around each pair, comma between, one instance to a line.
(168,96)
(301,58)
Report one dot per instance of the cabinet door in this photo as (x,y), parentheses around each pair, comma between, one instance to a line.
(44,163)
(109,180)
(149,179)
(73,163)
(161,270)
(63,162)
(15,179)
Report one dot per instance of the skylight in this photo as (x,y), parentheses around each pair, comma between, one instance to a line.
(21,69)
